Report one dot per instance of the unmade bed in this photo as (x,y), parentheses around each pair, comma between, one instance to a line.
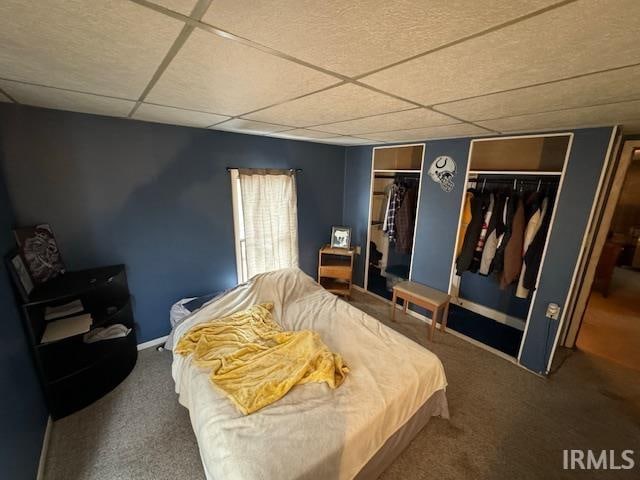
(394,386)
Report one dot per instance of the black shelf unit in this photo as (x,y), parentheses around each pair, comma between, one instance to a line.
(74,374)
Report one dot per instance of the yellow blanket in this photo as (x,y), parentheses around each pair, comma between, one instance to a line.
(254,362)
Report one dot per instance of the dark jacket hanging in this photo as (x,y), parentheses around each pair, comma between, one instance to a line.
(496,228)
(489,200)
(513,250)
(503,229)
(478,206)
(533,257)
(406,220)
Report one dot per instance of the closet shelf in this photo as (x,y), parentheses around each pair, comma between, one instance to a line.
(376,222)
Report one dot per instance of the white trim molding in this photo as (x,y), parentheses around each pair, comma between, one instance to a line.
(365,280)
(453,277)
(42,463)
(583,245)
(152,343)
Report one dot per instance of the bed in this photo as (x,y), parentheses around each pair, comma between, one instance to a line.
(394,386)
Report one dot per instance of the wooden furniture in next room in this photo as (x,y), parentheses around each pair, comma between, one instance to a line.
(606,266)
(74,373)
(429,298)
(335,269)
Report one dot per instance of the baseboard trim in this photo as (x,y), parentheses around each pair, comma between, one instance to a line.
(45,448)
(152,343)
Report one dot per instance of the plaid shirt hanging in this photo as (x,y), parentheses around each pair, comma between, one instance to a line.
(397,194)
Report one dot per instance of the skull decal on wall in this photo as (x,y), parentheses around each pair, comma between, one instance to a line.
(442,171)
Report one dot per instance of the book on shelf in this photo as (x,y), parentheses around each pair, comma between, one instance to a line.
(66,327)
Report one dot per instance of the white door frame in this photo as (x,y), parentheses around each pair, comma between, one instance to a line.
(452,283)
(415,226)
(602,217)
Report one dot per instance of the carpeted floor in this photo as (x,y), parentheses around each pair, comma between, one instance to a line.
(505,422)
(611,325)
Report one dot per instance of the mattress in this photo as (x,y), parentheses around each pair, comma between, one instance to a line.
(313,432)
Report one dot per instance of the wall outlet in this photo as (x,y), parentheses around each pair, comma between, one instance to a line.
(553,311)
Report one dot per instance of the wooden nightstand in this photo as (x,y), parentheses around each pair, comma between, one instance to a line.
(335,269)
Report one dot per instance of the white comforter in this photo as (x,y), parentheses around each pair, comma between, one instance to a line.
(313,432)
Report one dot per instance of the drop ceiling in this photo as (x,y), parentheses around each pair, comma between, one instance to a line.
(345,73)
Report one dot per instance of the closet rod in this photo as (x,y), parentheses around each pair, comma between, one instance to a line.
(415,176)
(296,170)
(511,180)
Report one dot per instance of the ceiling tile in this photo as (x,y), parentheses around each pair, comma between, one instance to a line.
(65,100)
(607,87)
(215,74)
(302,133)
(344,102)
(248,126)
(580,37)
(176,116)
(610,114)
(458,130)
(355,37)
(349,141)
(181,6)
(108,48)
(418,117)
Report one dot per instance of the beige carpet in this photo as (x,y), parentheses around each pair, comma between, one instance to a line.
(506,423)
(611,325)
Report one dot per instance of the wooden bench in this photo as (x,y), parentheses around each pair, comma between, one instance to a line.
(433,300)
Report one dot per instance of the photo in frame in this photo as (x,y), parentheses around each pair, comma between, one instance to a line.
(340,237)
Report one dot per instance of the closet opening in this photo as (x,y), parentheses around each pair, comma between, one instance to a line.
(393,208)
(506,215)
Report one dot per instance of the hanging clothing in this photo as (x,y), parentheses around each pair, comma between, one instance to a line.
(477,254)
(513,249)
(463,262)
(533,257)
(533,225)
(406,220)
(397,194)
(466,220)
(496,228)
(389,193)
(508,211)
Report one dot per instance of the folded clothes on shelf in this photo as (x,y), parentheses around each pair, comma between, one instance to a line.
(106,333)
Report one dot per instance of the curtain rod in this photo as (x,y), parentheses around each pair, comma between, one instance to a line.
(296,170)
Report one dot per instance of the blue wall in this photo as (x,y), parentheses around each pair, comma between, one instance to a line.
(357,185)
(23,414)
(572,215)
(438,224)
(155,197)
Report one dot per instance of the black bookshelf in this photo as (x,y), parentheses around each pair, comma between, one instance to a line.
(74,374)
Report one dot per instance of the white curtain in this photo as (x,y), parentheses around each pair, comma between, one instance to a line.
(269,207)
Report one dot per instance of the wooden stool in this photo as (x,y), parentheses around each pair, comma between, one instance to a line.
(433,300)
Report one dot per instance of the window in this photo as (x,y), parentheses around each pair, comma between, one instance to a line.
(265,217)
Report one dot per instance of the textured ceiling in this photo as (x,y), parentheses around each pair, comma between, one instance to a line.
(336,72)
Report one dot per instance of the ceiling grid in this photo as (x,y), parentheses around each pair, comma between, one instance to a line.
(331,72)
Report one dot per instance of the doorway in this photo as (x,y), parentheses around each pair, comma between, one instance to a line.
(610,326)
